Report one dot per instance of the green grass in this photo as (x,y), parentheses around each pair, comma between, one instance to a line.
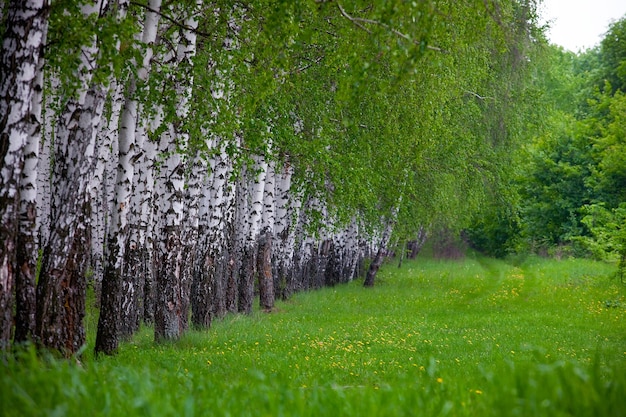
(476,337)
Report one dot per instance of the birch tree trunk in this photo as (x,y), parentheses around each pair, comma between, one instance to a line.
(43,175)
(26,25)
(204,265)
(170,307)
(146,227)
(199,297)
(249,252)
(119,309)
(216,261)
(264,257)
(381,253)
(288,207)
(109,319)
(62,282)
(27,243)
(303,253)
(234,241)
(102,185)
(172,301)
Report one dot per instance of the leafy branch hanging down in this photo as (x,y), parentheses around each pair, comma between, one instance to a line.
(359,20)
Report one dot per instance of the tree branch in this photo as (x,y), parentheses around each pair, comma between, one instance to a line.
(171,19)
(478,96)
(358,20)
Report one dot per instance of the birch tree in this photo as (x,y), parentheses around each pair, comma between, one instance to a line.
(172,301)
(286,212)
(113,308)
(102,183)
(252,216)
(26,24)
(27,243)
(265,241)
(62,283)
(217,268)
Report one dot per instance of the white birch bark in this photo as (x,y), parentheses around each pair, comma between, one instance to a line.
(265,241)
(109,320)
(122,285)
(235,239)
(172,291)
(102,183)
(283,230)
(169,320)
(252,216)
(44,171)
(204,267)
(222,205)
(195,182)
(381,251)
(27,246)
(141,256)
(351,251)
(303,255)
(26,25)
(62,284)
(215,215)
(145,229)
(216,269)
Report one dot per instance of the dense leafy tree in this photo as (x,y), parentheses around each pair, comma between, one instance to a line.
(571,176)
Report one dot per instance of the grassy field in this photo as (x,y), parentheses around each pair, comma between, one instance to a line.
(475,337)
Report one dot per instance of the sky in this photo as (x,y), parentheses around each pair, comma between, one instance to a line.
(580,24)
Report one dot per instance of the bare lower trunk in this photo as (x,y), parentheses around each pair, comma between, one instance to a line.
(133,284)
(201,288)
(109,322)
(231,276)
(61,290)
(170,301)
(381,253)
(149,285)
(246,279)
(169,321)
(264,270)
(25,299)
(107,338)
(173,285)
(27,248)
(374,267)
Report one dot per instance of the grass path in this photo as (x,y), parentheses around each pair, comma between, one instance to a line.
(472,337)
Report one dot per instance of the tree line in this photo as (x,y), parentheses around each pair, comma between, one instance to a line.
(568,195)
(182,157)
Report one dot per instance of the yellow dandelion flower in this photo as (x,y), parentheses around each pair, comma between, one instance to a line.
(440,380)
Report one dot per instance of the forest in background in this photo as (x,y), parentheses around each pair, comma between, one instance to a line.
(569,184)
(183,157)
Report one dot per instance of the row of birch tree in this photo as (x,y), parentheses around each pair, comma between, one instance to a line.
(185,157)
